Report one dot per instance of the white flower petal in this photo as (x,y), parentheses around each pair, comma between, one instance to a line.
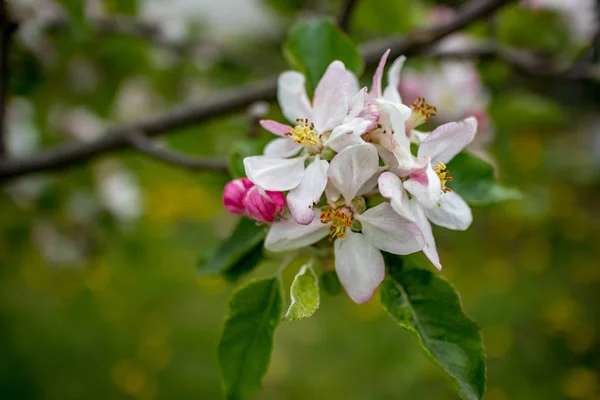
(448,140)
(291,94)
(282,148)
(352,167)
(331,193)
(302,198)
(348,134)
(357,103)
(272,173)
(453,212)
(399,114)
(417,136)
(331,98)
(424,184)
(275,127)
(391,91)
(430,250)
(359,266)
(371,184)
(390,187)
(287,234)
(353,85)
(389,231)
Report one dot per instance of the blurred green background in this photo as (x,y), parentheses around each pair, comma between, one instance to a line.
(99,295)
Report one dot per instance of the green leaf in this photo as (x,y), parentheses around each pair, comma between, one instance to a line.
(520,110)
(315,44)
(247,341)
(239,253)
(425,304)
(542,29)
(246,264)
(304,293)
(474,180)
(331,283)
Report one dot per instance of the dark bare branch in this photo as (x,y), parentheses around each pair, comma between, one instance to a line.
(346,14)
(145,145)
(256,112)
(522,60)
(233,100)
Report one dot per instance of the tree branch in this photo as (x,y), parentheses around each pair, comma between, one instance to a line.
(141,142)
(522,60)
(232,100)
(346,14)
(256,112)
(7,28)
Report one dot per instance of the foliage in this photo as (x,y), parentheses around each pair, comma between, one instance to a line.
(313,45)
(475,181)
(245,347)
(429,307)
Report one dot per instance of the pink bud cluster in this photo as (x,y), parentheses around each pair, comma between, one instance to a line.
(242,197)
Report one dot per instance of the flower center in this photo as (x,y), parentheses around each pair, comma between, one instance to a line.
(422,111)
(304,133)
(340,220)
(442,171)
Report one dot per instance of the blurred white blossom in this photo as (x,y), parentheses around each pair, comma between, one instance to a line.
(23,138)
(223,19)
(118,190)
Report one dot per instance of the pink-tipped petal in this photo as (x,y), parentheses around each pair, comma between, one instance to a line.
(275,127)
(424,184)
(376,88)
(359,265)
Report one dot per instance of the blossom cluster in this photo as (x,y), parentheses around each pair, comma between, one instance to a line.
(353,166)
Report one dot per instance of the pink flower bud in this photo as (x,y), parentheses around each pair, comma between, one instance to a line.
(262,205)
(234,193)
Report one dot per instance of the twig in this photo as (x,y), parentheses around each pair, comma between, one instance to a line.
(346,14)
(7,27)
(256,112)
(522,60)
(145,145)
(233,100)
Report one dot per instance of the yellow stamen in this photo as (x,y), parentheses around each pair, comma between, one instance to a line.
(304,133)
(422,111)
(442,171)
(340,221)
